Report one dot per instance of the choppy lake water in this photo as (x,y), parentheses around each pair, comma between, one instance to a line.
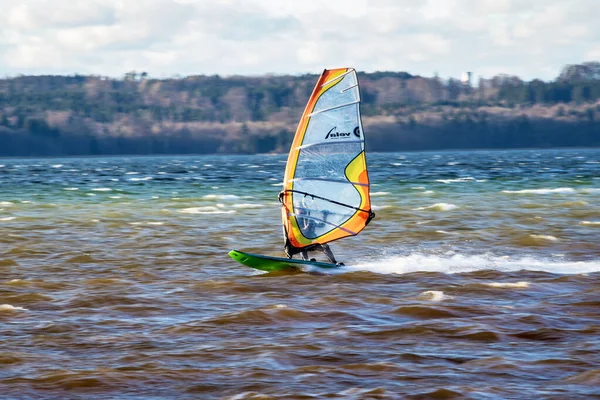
(479,279)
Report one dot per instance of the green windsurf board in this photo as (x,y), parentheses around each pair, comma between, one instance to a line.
(269,263)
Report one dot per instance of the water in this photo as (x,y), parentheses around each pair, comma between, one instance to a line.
(478,279)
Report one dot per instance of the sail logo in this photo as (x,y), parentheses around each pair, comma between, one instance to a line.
(334,133)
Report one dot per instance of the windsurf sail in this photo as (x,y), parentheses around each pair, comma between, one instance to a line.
(326,192)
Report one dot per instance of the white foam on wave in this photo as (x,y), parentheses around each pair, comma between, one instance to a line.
(540,191)
(458,263)
(509,285)
(434,295)
(375,207)
(71,188)
(7,218)
(57,166)
(548,238)
(132,173)
(221,196)
(437,207)
(101,189)
(460,180)
(8,307)
(447,233)
(6,203)
(205,210)
(248,205)
(147,178)
(590,190)
(592,223)
(375,194)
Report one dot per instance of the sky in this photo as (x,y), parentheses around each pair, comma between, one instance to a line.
(166,38)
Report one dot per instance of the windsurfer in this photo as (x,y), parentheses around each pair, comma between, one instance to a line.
(308,225)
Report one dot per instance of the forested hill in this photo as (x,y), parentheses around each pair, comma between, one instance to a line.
(92,115)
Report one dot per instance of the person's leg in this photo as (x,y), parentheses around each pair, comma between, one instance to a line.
(304,255)
(288,249)
(328,253)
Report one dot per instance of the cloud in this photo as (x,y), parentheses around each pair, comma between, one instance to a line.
(34,15)
(532,39)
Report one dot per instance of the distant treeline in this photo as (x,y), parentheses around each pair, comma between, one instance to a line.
(80,115)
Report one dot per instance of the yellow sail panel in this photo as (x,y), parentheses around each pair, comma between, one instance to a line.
(326,184)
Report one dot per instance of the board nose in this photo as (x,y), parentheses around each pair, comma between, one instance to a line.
(236,255)
(233,254)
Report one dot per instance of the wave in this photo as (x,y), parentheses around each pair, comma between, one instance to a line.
(382,207)
(547,238)
(458,263)
(8,307)
(221,196)
(540,191)
(510,285)
(591,223)
(460,180)
(205,210)
(248,205)
(434,295)
(438,207)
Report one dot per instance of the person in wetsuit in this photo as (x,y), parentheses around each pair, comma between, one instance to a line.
(308,225)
